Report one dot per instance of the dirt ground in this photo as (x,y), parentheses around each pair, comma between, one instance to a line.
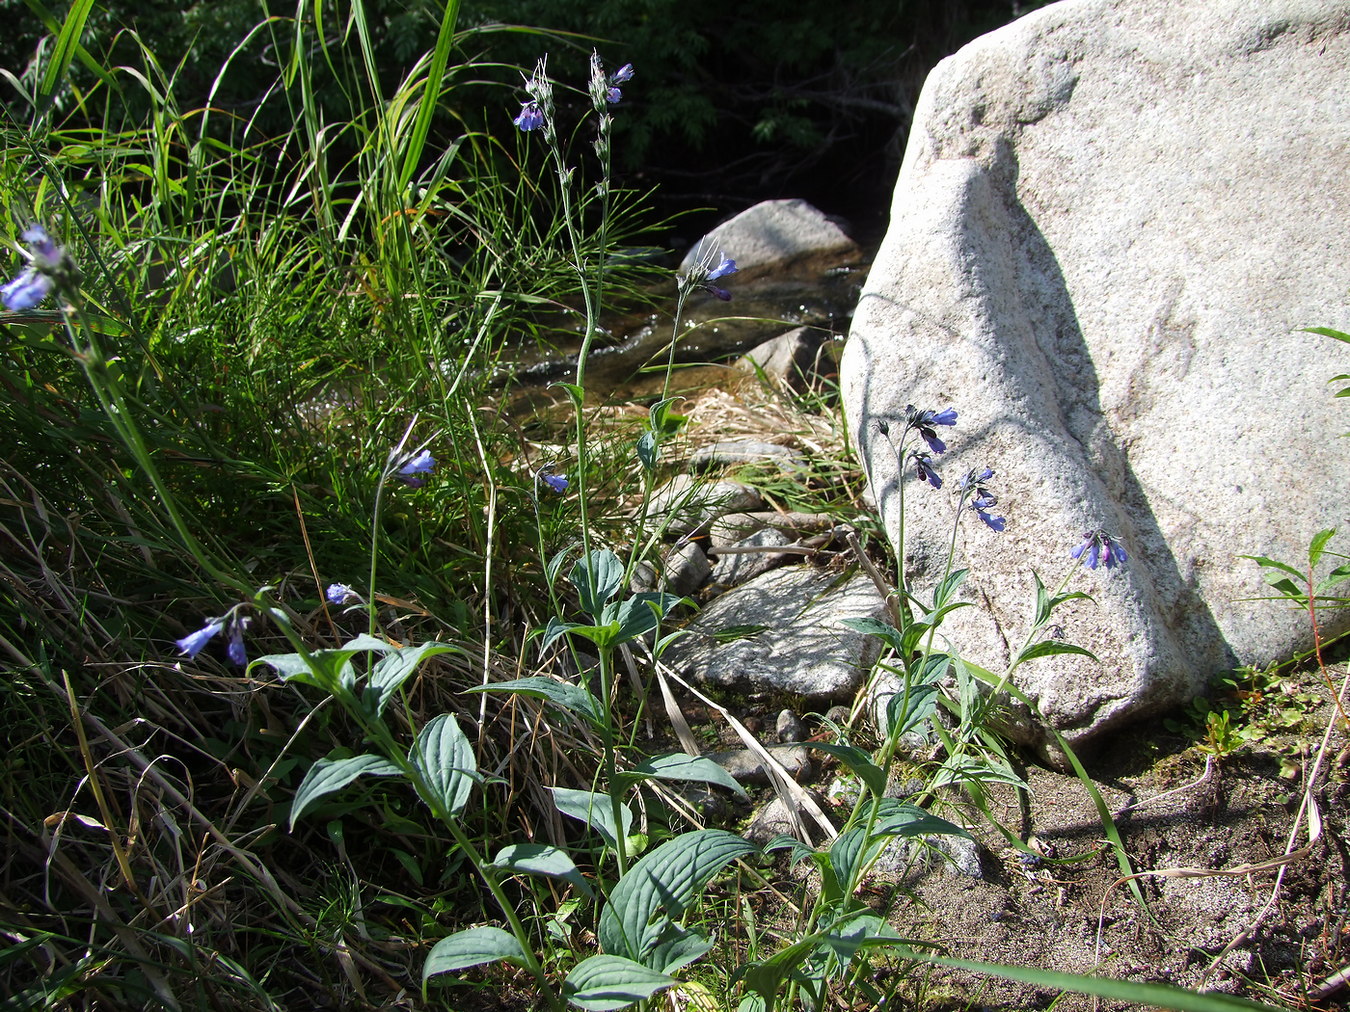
(1174,810)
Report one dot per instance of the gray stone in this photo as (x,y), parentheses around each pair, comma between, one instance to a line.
(684,570)
(736,567)
(1111,219)
(746,451)
(788,360)
(689,504)
(748,768)
(790,637)
(775,236)
(789,726)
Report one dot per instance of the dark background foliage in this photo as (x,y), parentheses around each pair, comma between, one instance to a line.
(732,102)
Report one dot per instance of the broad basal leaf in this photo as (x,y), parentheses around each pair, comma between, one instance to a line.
(664,882)
(329,775)
(603,983)
(595,810)
(472,947)
(446,761)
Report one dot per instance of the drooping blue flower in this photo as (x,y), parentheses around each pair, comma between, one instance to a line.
(49,267)
(705,273)
(47,256)
(192,643)
(979,498)
(923,467)
(531,116)
(557,482)
(923,422)
(340,593)
(235,648)
(420,464)
(1099,547)
(26,291)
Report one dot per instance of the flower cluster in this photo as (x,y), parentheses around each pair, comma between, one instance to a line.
(923,422)
(705,271)
(191,645)
(1099,547)
(536,112)
(980,499)
(51,267)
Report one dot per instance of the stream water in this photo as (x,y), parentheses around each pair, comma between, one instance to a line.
(628,362)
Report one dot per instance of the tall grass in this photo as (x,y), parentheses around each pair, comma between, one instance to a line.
(274,312)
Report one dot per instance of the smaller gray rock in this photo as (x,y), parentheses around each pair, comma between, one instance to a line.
(736,567)
(788,361)
(689,504)
(789,726)
(782,633)
(748,768)
(954,854)
(773,236)
(773,820)
(746,451)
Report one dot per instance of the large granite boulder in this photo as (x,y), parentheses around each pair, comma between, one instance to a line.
(1112,218)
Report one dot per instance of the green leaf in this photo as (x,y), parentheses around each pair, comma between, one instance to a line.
(1318,545)
(1284,567)
(850,854)
(329,775)
(1328,332)
(1134,992)
(602,983)
(397,667)
(67,45)
(325,669)
(446,761)
(899,818)
(677,947)
(905,713)
(557,627)
(572,698)
(1048,648)
(647,450)
(948,586)
(472,947)
(859,762)
(597,578)
(679,766)
(539,859)
(884,631)
(576,394)
(594,810)
(641,613)
(664,881)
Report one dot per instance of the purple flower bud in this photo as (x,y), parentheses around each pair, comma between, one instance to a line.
(623,75)
(192,644)
(923,467)
(613,95)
